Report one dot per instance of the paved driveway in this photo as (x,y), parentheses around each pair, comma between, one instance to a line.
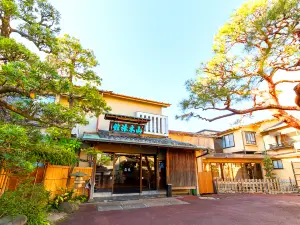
(235,209)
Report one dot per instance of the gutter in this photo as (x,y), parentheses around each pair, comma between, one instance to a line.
(205,153)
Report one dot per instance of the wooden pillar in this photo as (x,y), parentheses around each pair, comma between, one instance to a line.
(231,171)
(91,196)
(157,168)
(167,166)
(222,171)
(141,174)
(196,173)
(113,177)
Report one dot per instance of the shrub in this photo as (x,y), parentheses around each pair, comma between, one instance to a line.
(268,167)
(81,198)
(29,200)
(66,196)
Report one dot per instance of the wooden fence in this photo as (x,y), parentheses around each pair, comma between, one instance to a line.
(56,179)
(3,181)
(53,177)
(270,186)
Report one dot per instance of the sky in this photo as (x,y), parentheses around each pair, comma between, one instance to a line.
(149,49)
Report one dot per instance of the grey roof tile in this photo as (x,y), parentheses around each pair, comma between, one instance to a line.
(104,136)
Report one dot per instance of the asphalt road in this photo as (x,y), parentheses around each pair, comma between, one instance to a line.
(233,209)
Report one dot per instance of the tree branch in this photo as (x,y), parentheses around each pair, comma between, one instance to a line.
(27,116)
(244,111)
(9,89)
(286,81)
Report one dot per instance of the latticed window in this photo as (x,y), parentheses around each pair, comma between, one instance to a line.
(250,138)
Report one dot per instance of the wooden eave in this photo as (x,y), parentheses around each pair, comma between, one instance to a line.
(232,158)
(136,99)
(123,118)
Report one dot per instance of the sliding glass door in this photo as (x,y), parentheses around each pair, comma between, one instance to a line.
(148,172)
(127,173)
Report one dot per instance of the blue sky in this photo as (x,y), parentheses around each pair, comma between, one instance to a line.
(149,48)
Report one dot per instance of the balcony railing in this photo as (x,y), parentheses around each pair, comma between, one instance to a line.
(281,145)
(158,124)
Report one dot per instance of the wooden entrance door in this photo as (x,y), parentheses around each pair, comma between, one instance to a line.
(205,182)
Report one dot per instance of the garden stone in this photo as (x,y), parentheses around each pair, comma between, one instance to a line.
(9,220)
(68,207)
(55,217)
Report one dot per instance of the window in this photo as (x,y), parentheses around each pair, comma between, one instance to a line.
(277,164)
(228,141)
(250,138)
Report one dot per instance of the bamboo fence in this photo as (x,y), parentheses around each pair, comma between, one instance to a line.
(269,186)
(54,179)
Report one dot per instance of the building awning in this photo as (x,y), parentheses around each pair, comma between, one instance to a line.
(106,137)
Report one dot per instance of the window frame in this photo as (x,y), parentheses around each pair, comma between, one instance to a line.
(223,141)
(254,134)
(277,167)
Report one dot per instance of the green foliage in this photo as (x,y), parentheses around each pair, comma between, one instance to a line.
(27,87)
(61,136)
(55,155)
(21,148)
(29,200)
(259,39)
(268,167)
(81,198)
(100,157)
(77,64)
(25,78)
(15,149)
(65,196)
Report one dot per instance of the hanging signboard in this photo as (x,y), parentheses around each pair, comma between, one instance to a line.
(129,128)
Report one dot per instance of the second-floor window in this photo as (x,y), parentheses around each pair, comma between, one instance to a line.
(250,138)
(277,164)
(228,141)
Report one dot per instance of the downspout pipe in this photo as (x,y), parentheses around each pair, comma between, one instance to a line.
(205,153)
(244,149)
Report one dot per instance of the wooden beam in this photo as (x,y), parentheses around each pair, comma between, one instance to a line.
(184,188)
(216,160)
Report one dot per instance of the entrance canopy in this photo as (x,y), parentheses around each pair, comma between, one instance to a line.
(143,163)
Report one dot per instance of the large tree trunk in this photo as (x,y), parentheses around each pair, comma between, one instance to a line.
(297,91)
(5,26)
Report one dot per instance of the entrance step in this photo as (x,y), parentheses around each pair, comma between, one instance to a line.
(128,197)
(138,204)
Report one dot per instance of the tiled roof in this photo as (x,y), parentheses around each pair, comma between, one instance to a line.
(193,134)
(104,136)
(275,126)
(246,125)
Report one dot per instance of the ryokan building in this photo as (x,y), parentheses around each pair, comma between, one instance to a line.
(143,159)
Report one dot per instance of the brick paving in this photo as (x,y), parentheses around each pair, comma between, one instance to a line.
(231,209)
